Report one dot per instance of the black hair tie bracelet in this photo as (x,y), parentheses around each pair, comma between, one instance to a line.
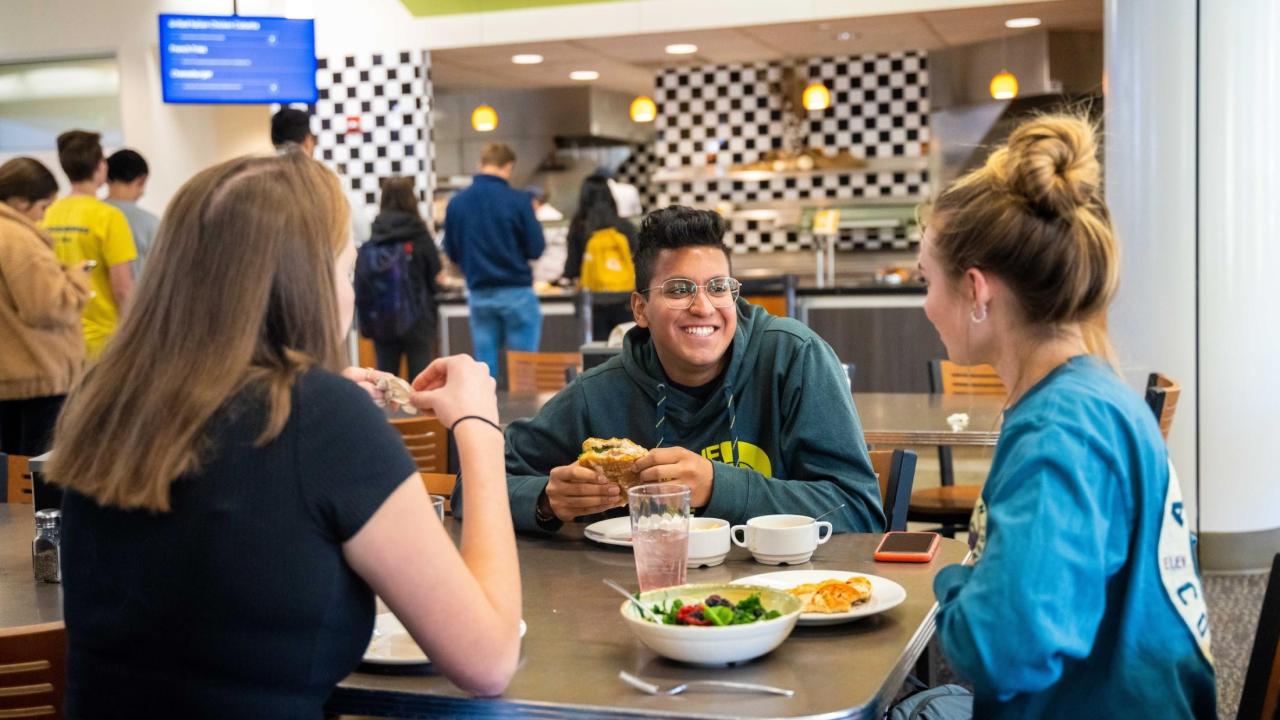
(484,420)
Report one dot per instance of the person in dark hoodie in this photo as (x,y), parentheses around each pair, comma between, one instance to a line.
(399,223)
(752,412)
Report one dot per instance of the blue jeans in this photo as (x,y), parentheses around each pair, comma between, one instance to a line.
(508,318)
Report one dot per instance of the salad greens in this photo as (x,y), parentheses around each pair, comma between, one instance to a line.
(714,611)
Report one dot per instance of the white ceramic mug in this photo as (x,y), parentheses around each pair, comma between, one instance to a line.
(779,539)
(708,541)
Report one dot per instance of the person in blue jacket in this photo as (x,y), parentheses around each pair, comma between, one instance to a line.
(752,412)
(1083,600)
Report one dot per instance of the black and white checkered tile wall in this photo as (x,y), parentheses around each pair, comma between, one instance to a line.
(637,170)
(733,114)
(373,120)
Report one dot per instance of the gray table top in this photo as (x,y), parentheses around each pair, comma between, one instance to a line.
(577,643)
(23,601)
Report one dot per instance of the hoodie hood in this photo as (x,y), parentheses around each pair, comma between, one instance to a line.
(397,226)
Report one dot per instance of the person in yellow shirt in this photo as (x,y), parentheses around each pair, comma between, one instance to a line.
(85,228)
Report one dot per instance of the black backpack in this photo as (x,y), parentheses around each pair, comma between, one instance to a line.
(388,300)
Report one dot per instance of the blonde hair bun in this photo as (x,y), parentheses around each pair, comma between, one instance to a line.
(1051,162)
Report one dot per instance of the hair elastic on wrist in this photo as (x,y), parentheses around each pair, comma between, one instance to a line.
(484,420)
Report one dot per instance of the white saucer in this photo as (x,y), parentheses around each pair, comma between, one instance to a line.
(614,531)
(885,593)
(391,643)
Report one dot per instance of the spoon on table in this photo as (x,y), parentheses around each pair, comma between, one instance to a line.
(829,512)
(623,592)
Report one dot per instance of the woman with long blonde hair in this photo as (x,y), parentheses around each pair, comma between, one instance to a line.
(1083,601)
(233,503)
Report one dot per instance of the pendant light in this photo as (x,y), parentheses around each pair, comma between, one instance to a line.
(643,109)
(484,119)
(816,97)
(1004,86)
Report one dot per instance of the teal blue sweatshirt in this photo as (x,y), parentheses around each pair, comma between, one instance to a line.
(781,432)
(1084,601)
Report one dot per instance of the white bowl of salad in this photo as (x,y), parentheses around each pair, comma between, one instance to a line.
(711,623)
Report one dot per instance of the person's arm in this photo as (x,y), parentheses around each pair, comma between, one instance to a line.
(1043,570)
(45,293)
(119,252)
(425,248)
(121,286)
(575,244)
(462,606)
(822,448)
(533,241)
(452,240)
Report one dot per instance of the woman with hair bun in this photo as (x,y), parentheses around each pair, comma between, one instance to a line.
(1083,600)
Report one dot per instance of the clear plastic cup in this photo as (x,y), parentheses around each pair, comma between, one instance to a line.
(437,502)
(659,533)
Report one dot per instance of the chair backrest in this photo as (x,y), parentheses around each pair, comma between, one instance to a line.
(1162,397)
(18,479)
(427,440)
(948,378)
(896,472)
(1260,699)
(33,671)
(539,371)
(441,484)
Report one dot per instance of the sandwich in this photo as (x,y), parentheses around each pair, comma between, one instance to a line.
(833,596)
(613,457)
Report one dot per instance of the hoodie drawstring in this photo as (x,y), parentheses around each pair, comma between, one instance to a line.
(660,426)
(733,418)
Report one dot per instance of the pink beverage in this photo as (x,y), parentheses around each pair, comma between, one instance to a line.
(659,533)
(660,557)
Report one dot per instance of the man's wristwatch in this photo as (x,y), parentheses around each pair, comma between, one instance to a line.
(543,513)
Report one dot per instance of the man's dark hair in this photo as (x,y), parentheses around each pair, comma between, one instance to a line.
(290,125)
(125,166)
(79,152)
(672,228)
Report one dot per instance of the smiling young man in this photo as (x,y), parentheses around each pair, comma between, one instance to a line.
(751,412)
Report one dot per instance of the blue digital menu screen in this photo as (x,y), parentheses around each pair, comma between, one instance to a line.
(246,60)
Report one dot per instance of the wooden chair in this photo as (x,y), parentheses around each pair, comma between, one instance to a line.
(33,671)
(1162,397)
(896,472)
(1260,699)
(529,372)
(951,505)
(441,484)
(18,480)
(427,440)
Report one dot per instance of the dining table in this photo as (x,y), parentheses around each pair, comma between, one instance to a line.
(889,420)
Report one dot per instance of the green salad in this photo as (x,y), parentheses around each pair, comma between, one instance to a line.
(715,610)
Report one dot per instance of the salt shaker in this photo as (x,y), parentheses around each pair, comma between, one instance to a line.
(46,548)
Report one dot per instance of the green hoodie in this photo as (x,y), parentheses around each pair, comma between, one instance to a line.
(781,432)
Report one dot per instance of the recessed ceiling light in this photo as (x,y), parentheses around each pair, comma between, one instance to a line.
(845,36)
(682,49)
(526,59)
(584,75)
(1020,23)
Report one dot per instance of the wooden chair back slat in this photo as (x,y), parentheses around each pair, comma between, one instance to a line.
(1162,398)
(1260,699)
(529,372)
(33,671)
(427,441)
(896,472)
(18,479)
(948,378)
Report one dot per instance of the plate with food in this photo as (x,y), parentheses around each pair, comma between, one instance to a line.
(614,531)
(391,643)
(833,596)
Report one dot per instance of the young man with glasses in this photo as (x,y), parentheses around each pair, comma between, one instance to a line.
(751,412)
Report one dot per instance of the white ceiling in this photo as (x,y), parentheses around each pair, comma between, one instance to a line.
(627,63)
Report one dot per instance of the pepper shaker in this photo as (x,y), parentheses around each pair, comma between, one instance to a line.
(46,548)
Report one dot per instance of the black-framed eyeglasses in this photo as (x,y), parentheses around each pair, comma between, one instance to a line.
(680,293)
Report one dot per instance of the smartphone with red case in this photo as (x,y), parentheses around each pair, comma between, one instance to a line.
(917,547)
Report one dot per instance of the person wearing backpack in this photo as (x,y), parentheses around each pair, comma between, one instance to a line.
(601,245)
(396,282)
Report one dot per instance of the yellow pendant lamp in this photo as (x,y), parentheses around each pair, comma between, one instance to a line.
(643,109)
(484,119)
(816,97)
(1004,86)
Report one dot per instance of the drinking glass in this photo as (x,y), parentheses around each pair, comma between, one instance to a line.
(437,503)
(659,533)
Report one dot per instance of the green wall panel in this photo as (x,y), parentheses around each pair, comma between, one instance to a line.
(426,8)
